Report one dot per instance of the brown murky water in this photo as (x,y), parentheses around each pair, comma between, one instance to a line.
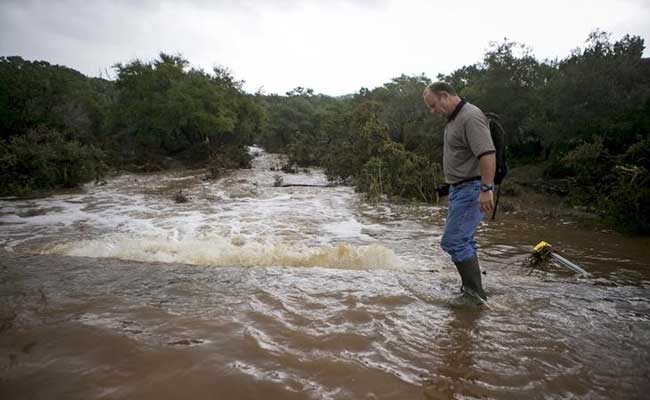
(251,291)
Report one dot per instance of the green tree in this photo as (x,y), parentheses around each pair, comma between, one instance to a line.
(165,108)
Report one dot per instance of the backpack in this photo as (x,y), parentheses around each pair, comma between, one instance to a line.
(499,139)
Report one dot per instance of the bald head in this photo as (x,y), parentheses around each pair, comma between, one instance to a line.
(441,87)
(441,98)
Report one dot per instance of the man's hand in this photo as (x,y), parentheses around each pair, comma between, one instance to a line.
(487,164)
(486,201)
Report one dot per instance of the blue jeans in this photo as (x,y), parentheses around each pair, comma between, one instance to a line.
(463,218)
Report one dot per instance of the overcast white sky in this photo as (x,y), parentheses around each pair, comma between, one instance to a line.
(334,47)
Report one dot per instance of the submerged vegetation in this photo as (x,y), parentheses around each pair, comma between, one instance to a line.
(583,122)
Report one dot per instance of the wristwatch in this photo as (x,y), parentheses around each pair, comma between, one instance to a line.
(486,187)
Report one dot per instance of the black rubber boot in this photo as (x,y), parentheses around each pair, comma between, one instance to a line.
(470,274)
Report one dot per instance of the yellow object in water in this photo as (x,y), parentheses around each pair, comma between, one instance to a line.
(544,249)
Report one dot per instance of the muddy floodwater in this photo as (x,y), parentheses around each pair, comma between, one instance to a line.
(252,291)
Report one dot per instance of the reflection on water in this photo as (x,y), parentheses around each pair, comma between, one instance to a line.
(118,292)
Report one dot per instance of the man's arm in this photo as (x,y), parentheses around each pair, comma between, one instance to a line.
(488,166)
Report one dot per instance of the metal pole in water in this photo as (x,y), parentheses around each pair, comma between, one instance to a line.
(569,264)
(546,247)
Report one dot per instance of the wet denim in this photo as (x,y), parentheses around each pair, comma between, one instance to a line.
(464,217)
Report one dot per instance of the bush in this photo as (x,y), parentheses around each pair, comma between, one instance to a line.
(373,179)
(638,154)
(628,205)
(46,159)
(590,164)
(398,172)
(589,161)
(228,157)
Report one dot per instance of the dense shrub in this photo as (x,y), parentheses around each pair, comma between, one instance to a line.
(628,204)
(155,115)
(44,159)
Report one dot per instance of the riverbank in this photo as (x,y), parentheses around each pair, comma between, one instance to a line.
(527,192)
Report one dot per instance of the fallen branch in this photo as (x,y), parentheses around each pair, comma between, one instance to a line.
(304,185)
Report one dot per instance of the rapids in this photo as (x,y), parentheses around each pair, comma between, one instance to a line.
(252,291)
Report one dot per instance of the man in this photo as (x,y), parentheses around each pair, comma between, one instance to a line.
(469,164)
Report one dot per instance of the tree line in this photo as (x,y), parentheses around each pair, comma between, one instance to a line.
(583,121)
(60,128)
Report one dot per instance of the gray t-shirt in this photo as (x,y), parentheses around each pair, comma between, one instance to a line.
(467,138)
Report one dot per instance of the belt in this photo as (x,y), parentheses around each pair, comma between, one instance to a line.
(475,178)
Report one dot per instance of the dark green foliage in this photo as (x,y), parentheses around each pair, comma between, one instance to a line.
(299,124)
(627,206)
(155,115)
(45,158)
(590,165)
(51,118)
(602,90)
(36,93)
(226,158)
(402,109)
(379,140)
(628,203)
(165,109)
(586,117)
(396,171)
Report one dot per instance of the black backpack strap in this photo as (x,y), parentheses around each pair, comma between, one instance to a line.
(498,135)
(496,202)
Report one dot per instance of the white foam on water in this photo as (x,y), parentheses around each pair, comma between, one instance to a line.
(234,251)
(239,220)
(348,229)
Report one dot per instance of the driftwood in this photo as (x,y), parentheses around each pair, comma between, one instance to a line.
(304,185)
